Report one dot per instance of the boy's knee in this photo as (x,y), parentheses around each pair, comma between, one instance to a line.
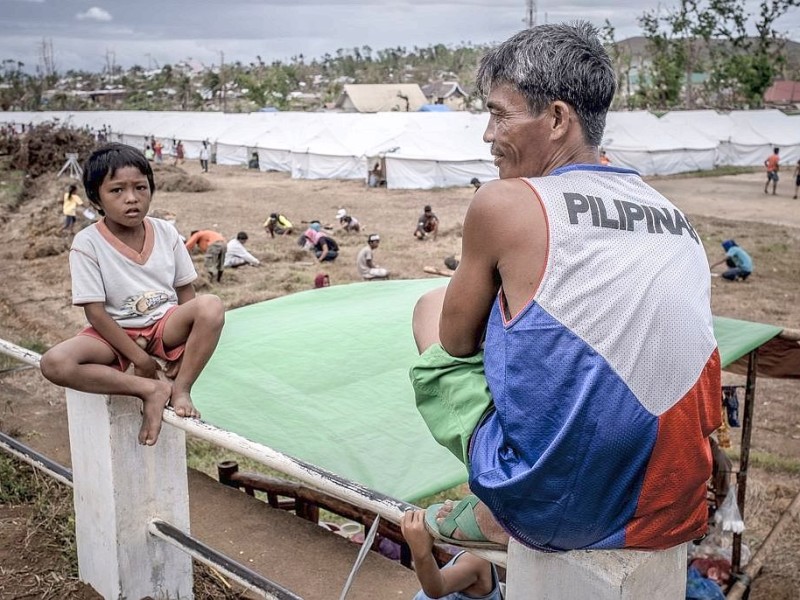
(53,366)
(211,310)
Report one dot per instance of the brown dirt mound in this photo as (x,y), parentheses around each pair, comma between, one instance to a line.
(181,182)
(43,148)
(171,178)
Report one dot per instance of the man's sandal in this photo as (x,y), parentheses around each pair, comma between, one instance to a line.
(461,517)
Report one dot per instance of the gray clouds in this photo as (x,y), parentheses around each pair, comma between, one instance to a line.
(82,31)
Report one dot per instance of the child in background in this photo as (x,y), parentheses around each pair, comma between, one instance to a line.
(133,278)
(465,577)
(71,203)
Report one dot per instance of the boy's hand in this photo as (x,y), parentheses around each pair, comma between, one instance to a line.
(147,368)
(413,527)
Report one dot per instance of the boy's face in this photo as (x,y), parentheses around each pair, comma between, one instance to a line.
(125,197)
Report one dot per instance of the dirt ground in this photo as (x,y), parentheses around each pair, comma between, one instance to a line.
(35,309)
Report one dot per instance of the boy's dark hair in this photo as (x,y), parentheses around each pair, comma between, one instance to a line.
(105,161)
(241,236)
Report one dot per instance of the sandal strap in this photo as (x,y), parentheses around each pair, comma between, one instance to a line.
(463,517)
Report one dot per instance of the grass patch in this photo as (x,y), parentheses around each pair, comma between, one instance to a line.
(771,463)
(717,172)
(11,186)
(51,521)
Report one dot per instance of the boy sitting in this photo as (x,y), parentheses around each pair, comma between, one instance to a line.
(133,277)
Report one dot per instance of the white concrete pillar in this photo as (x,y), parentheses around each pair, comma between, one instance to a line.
(596,574)
(119,486)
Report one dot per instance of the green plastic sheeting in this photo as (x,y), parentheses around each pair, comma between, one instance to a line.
(737,338)
(322,376)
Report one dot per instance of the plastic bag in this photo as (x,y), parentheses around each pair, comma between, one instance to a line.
(728,514)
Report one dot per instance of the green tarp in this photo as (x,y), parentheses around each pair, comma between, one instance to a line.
(738,338)
(322,376)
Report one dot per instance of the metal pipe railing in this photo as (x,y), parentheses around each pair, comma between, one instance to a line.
(343,489)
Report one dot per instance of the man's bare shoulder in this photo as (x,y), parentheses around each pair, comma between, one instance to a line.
(503,199)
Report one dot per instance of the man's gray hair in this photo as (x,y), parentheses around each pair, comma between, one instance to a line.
(563,62)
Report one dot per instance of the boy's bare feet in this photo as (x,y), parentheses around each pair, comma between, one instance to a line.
(152,408)
(181,403)
(489,527)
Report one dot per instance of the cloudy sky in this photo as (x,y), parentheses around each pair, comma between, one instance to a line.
(85,33)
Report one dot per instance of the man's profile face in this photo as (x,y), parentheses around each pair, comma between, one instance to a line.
(519,140)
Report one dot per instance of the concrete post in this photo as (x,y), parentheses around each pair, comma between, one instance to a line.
(596,574)
(119,487)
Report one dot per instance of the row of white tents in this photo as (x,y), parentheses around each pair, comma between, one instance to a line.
(428,150)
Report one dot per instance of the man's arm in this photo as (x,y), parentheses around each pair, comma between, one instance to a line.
(474,284)
(144,364)
(323,252)
(192,241)
(504,241)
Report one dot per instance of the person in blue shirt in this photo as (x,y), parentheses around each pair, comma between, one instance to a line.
(739,262)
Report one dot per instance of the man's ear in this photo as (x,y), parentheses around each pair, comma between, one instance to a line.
(561,115)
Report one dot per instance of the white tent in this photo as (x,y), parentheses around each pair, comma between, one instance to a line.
(640,141)
(745,137)
(757,132)
(427,150)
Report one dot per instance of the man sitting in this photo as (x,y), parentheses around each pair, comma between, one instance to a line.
(428,223)
(365,262)
(237,255)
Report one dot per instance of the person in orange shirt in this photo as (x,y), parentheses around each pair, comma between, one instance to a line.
(213,244)
(604,160)
(773,165)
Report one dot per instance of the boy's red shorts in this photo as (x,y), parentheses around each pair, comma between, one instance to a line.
(153,334)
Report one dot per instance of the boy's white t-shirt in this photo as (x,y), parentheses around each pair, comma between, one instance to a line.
(136,289)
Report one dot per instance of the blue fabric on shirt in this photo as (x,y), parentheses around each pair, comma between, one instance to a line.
(741,258)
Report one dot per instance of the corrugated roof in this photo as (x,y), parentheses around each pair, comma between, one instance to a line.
(443,89)
(783,92)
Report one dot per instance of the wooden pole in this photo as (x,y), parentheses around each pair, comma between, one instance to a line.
(744,454)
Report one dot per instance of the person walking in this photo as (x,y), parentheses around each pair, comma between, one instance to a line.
(70,206)
(773,166)
(204,154)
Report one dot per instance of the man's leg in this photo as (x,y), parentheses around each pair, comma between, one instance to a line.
(85,364)
(198,324)
(731,274)
(425,324)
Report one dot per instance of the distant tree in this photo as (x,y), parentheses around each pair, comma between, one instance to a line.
(661,81)
(621,60)
(711,37)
